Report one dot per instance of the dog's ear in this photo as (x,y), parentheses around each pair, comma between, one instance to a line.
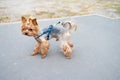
(23,19)
(34,21)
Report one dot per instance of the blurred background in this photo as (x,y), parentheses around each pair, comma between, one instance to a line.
(12,10)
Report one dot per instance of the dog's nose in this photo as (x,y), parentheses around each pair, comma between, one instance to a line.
(26,33)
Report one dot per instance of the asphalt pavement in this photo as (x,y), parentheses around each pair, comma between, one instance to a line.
(96,54)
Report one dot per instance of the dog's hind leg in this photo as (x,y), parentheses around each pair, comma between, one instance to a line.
(70,44)
(67,38)
(67,50)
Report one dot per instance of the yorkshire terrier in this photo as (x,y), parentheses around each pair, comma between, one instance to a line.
(62,33)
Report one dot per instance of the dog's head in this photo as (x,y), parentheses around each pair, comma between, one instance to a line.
(29,26)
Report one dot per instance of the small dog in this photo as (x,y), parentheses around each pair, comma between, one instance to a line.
(62,33)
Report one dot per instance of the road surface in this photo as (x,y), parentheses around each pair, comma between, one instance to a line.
(96,54)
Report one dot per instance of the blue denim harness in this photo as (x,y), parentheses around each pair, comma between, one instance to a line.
(48,32)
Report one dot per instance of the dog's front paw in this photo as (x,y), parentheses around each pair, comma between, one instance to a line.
(33,54)
(36,49)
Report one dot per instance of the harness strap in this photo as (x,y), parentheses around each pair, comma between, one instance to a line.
(48,32)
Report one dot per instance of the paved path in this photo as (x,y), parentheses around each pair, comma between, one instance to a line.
(96,55)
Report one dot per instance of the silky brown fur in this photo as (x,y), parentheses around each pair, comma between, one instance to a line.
(29,27)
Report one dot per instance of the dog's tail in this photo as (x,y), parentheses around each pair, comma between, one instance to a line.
(70,25)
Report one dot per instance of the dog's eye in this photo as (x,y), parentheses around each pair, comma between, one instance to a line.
(30,29)
(23,28)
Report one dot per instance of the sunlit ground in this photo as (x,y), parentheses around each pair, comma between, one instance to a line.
(12,10)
